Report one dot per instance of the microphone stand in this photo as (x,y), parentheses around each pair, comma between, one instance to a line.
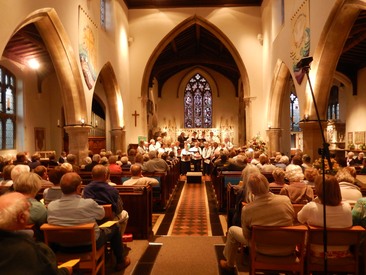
(324,152)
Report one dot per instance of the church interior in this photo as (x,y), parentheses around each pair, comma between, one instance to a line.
(83,76)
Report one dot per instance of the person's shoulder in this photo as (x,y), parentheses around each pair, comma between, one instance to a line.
(281,198)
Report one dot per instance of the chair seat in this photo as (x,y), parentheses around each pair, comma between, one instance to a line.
(286,260)
(338,261)
(83,256)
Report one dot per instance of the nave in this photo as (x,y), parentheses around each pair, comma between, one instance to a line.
(188,236)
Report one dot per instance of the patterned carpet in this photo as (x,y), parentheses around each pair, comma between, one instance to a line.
(191,217)
(191,212)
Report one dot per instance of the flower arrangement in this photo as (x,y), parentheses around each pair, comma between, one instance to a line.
(257,144)
(318,164)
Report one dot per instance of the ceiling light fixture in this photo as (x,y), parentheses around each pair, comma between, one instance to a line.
(33,64)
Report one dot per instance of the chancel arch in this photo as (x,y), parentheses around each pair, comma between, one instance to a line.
(197,25)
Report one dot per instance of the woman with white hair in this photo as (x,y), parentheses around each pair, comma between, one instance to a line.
(297,190)
(29,183)
(267,209)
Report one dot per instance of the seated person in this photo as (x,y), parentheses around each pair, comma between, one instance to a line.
(54,192)
(52,160)
(155,164)
(349,190)
(279,178)
(103,193)
(16,171)
(125,166)
(29,184)
(310,174)
(338,213)
(297,190)
(264,165)
(72,209)
(71,158)
(359,212)
(138,179)
(7,175)
(114,168)
(266,209)
(19,252)
(41,170)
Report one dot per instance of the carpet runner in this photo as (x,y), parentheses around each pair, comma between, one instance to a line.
(192,212)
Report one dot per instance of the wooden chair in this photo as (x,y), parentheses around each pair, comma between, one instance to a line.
(278,237)
(109,215)
(91,258)
(335,236)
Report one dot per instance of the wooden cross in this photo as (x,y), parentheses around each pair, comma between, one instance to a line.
(135,115)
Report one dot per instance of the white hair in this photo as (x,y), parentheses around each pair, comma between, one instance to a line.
(18,170)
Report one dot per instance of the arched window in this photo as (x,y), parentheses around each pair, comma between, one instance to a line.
(333,104)
(7,109)
(294,110)
(198,103)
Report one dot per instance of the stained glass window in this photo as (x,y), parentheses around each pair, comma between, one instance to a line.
(102,13)
(294,111)
(7,109)
(198,103)
(333,104)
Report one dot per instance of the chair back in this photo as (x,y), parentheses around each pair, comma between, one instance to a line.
(279,238)
(109,215)
(73,236)
(350,236)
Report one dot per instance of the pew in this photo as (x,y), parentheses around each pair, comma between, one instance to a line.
(137,201)
(220,183)
(85,176)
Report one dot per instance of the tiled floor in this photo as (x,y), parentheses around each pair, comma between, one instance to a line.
(191,218)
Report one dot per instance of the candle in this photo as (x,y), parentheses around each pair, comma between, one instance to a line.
(58,123)
(8,103)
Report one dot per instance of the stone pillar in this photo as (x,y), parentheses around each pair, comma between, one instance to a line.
(312,138)
(118,141)
(274,145)
(78,141)
(247,121)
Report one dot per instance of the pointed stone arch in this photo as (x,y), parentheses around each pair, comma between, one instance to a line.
(115,106)
(112,91)
(328,51)
(64,61)
(277,93)
(243,83)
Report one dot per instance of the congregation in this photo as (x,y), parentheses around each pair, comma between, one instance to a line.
(67,202)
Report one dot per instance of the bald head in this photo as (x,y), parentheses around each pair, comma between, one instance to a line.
(70,183)
(135,170)
(100,172)
(14,211)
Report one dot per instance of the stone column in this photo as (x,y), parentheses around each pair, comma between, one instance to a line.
(274,145)
(312,138)
(118,141)
(78,141)
(247,121)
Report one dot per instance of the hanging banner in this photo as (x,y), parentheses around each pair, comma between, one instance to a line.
(88,42)
(300,38)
